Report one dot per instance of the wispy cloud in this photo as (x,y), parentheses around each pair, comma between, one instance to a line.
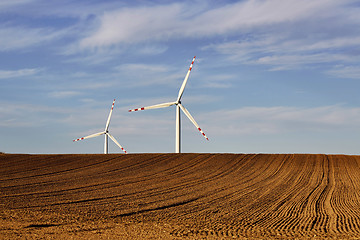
(284,62)
(5,4)
(29,115)
(345,71)
(218,81)
(304,40)
(145,23)
(280,34)
(271,120)
(145,68)
(284,53)
(165,22)
(138,74)
(5,74)
(19,37)
(63,94)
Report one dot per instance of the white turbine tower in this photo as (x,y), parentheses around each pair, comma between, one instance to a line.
(178,107)
(106,133)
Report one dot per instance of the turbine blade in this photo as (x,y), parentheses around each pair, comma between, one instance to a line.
(108,120)
(161,105)
(181,91)
(90,136)
(192,120)
(116,142)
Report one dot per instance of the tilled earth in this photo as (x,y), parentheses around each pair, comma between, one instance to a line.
(177,196)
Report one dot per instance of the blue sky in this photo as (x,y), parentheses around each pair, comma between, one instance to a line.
(279,76)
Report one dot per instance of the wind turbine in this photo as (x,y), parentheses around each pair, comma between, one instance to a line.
(106,133)
(179,106)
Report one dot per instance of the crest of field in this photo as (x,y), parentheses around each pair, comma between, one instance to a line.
(181,195)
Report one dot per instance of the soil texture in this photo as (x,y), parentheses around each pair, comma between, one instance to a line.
(179,196)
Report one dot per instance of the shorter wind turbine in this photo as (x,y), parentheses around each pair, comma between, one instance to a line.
(178,107)
(106,133)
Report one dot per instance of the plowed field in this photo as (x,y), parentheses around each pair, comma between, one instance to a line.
(177,196)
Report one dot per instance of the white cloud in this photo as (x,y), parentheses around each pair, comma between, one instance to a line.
(273,120)
(29,115)
(5,74)
(93,57)
(145,68)
(18,37)
(324,35)
(63,94)
(218,81)
(345,71)
(174,21)
(5,4)
(282,62)
(282,52)
(281,34)
(138,74)
(133,25)
(246,15)
(150,50)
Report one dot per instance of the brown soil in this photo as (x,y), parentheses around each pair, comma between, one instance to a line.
(177,196)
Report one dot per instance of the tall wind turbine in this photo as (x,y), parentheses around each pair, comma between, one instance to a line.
(106,133)
(179,106)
